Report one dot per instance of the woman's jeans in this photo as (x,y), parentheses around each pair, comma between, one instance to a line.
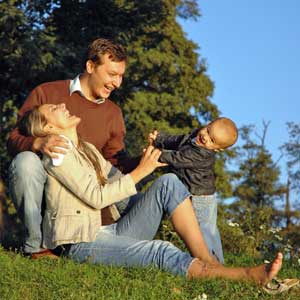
(27,180)
(129,241)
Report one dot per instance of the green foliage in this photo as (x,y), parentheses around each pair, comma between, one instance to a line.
(23,279)
(27,57)
(292,150)
(257,176)
(241,227)
(222,174)
(252,231)
(165,78)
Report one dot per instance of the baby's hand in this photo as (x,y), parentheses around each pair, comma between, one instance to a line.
(152,137)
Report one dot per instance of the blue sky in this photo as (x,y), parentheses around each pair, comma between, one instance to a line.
(252,49)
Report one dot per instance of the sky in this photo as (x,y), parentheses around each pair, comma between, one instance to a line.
(252,50)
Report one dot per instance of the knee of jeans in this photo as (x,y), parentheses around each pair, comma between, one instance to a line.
(27,163)
(169,179)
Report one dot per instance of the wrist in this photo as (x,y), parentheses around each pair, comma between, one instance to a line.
(136,175)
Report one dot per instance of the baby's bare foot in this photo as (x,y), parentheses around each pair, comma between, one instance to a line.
(265,273)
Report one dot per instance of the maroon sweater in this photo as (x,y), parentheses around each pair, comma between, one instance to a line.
(101,124)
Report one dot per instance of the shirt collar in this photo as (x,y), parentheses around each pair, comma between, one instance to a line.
(75,86)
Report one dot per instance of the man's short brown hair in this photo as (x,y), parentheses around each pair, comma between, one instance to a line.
(100,46)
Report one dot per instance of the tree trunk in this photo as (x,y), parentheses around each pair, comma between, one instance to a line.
(288,213)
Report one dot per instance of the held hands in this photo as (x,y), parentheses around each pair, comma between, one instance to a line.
(152,137)
(148,163)
(50,145)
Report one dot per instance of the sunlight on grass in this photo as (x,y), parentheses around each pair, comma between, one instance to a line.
(22,278)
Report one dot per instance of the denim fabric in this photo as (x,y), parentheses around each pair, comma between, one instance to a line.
(205,208)
(27,178)
(129,241)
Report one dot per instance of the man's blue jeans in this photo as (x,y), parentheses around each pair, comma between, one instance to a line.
(27,178)
(129,241)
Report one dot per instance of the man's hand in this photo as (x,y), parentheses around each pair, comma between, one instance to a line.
(152,137)
(50,145)
(148,163)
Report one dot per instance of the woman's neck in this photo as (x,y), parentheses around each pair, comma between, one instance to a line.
(71,133)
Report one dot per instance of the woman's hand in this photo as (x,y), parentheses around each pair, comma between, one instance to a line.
(148,163)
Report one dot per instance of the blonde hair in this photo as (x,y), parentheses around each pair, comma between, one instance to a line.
(32,124)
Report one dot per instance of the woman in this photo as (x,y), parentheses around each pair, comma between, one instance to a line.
(78,188)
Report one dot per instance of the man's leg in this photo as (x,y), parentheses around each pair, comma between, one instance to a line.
(205,208)
(27,178)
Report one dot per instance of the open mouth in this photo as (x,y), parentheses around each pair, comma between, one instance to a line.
(108,89)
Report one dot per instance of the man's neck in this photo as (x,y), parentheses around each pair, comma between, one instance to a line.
(84,82)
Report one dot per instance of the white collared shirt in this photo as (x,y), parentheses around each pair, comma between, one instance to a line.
(75,86)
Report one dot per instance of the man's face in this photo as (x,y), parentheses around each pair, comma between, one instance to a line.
(104,78)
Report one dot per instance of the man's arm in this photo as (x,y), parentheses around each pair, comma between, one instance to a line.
(50,145)
(114,149)
(17,142)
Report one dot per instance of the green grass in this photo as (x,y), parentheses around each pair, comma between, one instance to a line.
(22,278)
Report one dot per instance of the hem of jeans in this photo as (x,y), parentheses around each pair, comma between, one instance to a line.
(187,269)
(204,196)
(188,195)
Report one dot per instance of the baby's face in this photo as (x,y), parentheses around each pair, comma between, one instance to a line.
(213,137)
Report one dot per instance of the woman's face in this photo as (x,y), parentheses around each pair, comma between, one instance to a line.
(58,116)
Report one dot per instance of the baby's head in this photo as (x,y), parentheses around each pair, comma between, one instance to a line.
(217,135)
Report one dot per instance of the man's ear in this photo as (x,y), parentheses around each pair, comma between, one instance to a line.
(90,65)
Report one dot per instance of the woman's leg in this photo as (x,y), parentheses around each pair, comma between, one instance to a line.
(260,274)
(186,225)
(143,219)
(112,249)
(166,195)
(206,209)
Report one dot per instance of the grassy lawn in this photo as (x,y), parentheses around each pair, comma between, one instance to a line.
(22,278)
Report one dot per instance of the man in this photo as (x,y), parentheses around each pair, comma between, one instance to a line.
(101,124)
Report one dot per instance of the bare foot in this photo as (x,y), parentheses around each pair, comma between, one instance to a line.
(265,273)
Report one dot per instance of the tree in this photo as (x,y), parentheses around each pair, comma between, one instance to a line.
(292,150)
(166,85)
(27,57)
(257,176)
(165,78)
